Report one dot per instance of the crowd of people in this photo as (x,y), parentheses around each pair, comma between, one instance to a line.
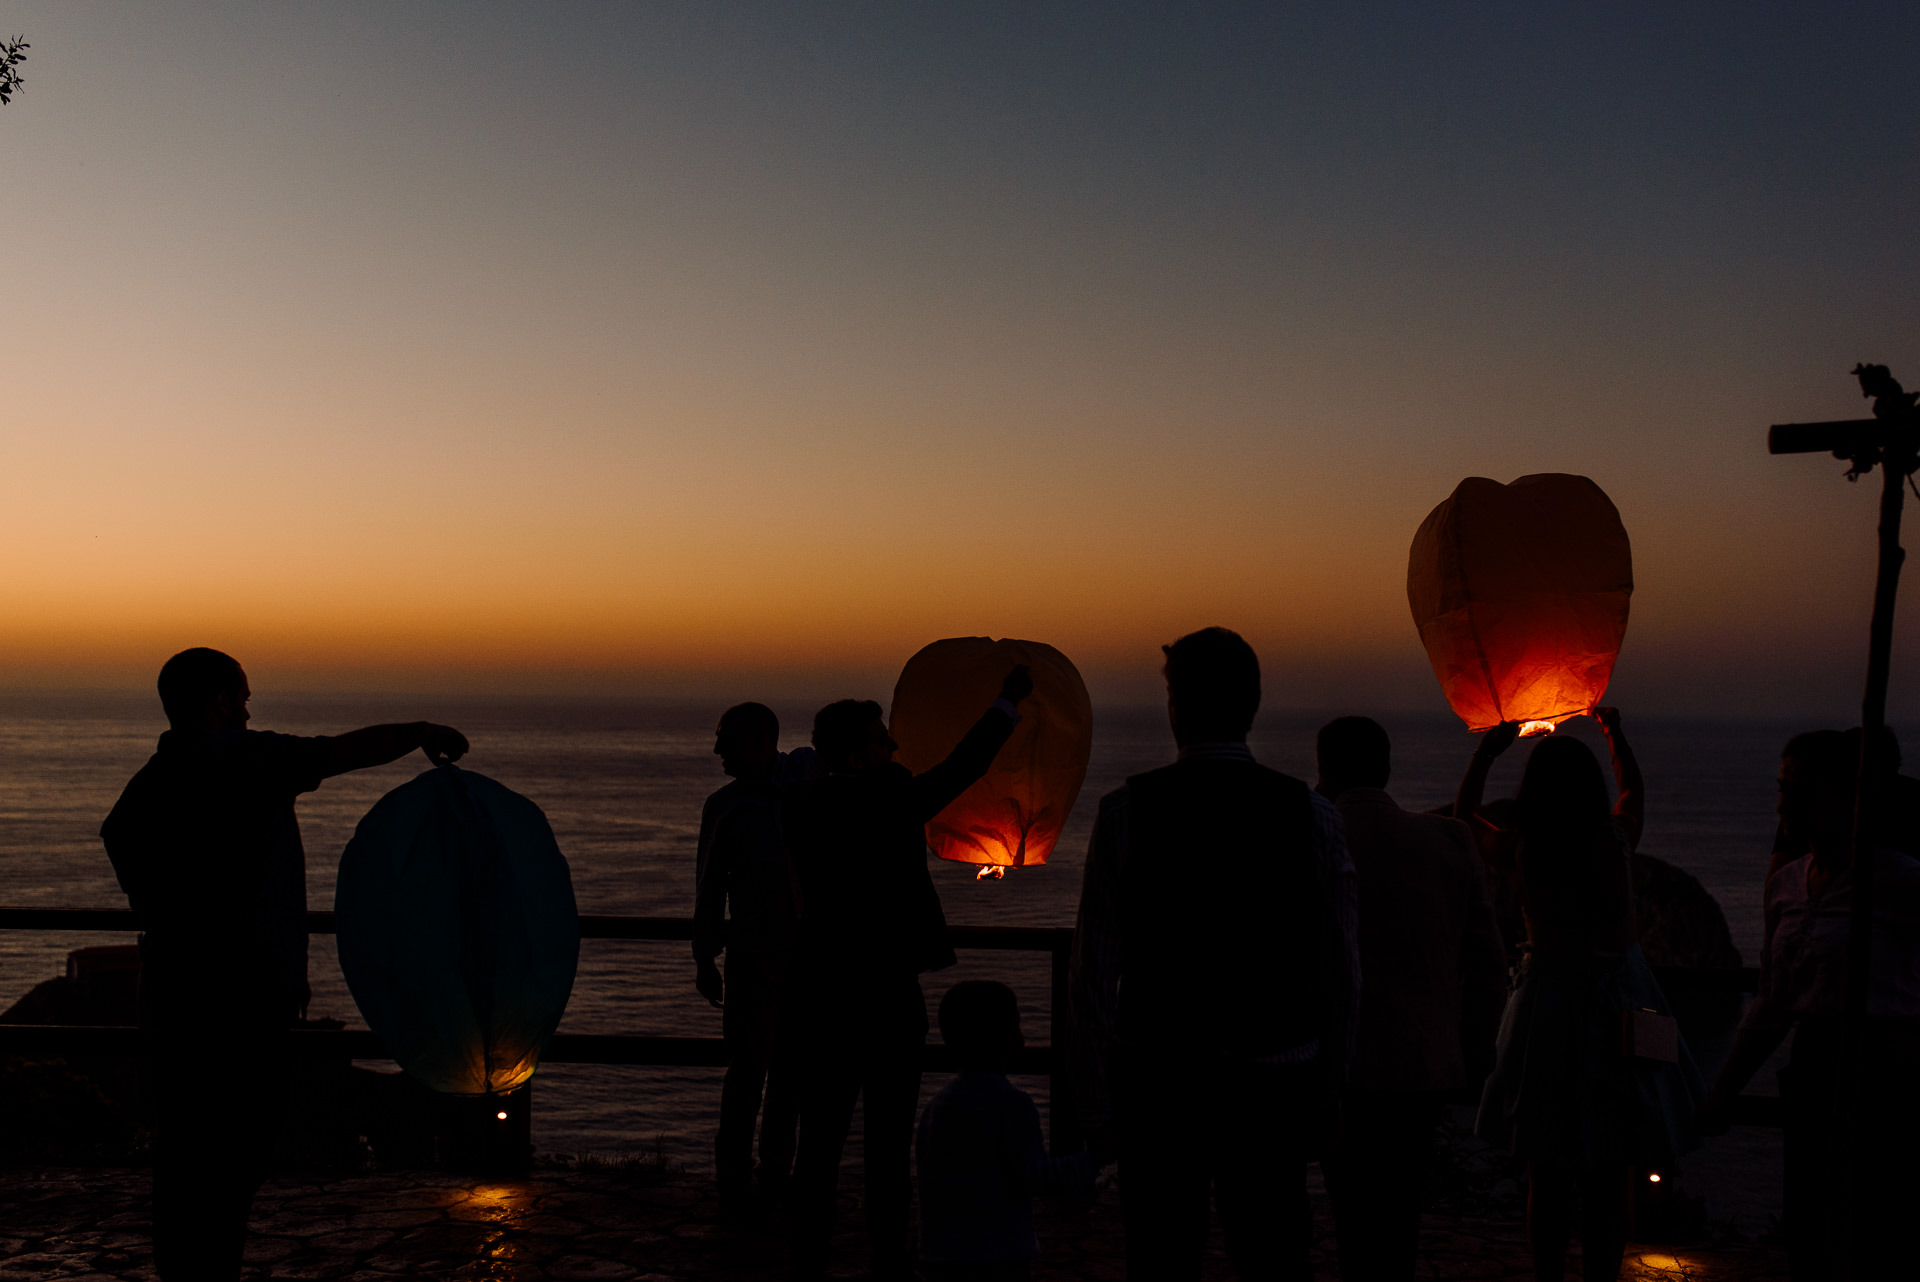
(1322,973)
(1312,973)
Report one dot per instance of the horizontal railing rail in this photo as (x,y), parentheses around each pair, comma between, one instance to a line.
(710,1052)
(572,1048)
(362,1043)
(1037,939)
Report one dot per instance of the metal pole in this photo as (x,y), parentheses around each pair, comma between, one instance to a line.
(1868,801)
(1897,464)
(1062,1110)
(1891,441)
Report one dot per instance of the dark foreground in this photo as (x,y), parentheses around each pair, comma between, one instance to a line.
(75,1224)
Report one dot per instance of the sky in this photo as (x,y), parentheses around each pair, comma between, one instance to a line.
(744,349)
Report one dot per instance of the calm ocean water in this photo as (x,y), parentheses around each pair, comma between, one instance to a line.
(622,783)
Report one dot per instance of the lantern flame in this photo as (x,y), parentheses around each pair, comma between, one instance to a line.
(1531,728)
(993,871)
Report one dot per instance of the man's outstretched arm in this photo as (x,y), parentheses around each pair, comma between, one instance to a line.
(935,789)
(377,745)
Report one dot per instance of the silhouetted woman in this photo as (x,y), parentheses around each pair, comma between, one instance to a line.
(1564,1094)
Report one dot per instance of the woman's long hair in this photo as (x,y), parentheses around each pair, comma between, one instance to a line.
(1562,790)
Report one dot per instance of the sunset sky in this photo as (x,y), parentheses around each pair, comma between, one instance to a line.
(713,348)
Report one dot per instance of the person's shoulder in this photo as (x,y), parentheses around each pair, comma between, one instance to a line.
(957,1087)
(1014,1106)
(811,794)
(1322,814)
(272,744)
(993,1089)
(1789,880)
(1240,771)
(721,799)
(1015,1098)
(1150,778)
(1368,799)
(147,782)
(1278,783)
(998,1084)
(1441,830)
(969,1092)
(731,790)
(150,769)
(276,738)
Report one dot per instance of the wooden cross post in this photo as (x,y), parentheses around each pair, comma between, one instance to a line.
(1890,440)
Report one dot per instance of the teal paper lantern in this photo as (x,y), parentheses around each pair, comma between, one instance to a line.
(458,932)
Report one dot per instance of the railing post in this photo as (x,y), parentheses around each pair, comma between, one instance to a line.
(1064,1112)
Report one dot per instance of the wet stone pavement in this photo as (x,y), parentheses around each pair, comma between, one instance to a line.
(572,1225)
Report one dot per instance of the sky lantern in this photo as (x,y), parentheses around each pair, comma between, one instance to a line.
(1012,816)
(1520,593)
(458,931)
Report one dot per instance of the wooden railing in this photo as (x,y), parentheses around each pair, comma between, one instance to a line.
(577,1048)
(1049,1061)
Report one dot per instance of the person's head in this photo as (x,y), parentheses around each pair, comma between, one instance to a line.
(747,741)
(1354,752)
(1213,686)
(1561,788)
(851,735)
(202,689)
(980,1020)
(1817,774)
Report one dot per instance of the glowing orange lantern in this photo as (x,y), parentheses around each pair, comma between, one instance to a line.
(1013,815)
(1520,594)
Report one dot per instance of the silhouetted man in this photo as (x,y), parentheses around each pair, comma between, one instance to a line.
(1213,983)
(1826,1091)
(1436,981)
(206,846)
(744,865)
(873,924)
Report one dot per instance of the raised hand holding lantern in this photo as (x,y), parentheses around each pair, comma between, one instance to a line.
(1520,593)
(1012,816)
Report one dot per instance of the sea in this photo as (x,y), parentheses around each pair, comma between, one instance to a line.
(622,781)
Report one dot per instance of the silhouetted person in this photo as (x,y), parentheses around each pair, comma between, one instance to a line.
(205,844)
(873,925)
(1899,824)
(981,1157)
(1803,986)
(1563,1095)
(1435,981)
(1214,975)
(744,864)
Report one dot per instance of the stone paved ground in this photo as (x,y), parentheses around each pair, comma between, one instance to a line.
(86,1225)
